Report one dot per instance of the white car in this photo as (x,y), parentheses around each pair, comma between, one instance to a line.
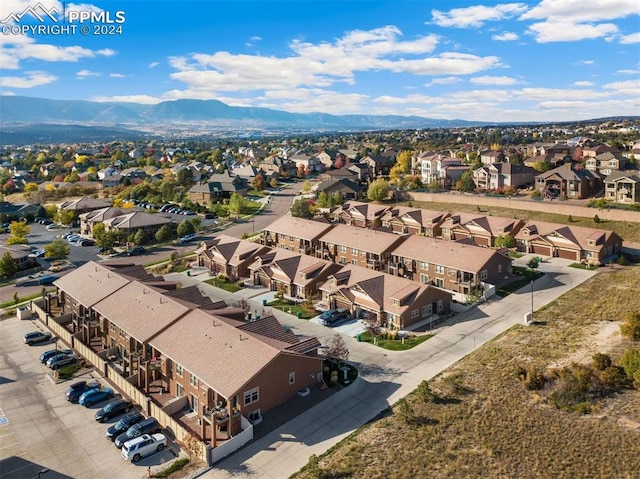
(142,446)
(53,226)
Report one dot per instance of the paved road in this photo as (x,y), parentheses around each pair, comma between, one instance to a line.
(385,376)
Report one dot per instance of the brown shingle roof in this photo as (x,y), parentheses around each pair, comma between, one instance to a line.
(299,227)
(91,282)
(222,356)
(372,241)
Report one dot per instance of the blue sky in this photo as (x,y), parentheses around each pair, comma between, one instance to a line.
(545,60)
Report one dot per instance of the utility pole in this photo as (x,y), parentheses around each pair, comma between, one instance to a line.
(532,300)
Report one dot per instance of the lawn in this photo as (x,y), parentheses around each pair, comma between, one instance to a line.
(395,344)
(224,283)
(292,308)
(483,422)
(527,276)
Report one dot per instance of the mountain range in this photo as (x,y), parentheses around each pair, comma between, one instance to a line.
(21,111)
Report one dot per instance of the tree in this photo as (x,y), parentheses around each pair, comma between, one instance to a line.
(507,241)
(631,363)
(30,187)
(66,217)
(402,166)
(273,183)
(339,162)
(185,177)
(259,183)
(107,240)
(57,249)
(379,190)
(466,183)
(323,200)
(533,263)
(336,350)
(140,238)
(300,209)
(186,228)
(425,392)
(164,234)
(98,231)
(8,266)
(631,326)
(405,411)
(306,187)
(237,204)
(19,229)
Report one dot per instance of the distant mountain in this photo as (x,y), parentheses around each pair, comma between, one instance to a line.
(50,133)
(206,113)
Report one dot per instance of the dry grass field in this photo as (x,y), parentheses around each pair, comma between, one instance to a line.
(629,231)
(485,424)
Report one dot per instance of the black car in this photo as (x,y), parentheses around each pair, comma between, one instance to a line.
(44,357)
(114,408)
(147,426)
(73,392)
(136,250)
(124,423)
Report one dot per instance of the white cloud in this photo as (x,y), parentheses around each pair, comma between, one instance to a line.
(30,80)
(505,37)
(632,38)
(443,81)
(153,64)
(87,73)
(587,62)
(476,16)
(583,83)
(144,99)
(579,11)
(7,93)
(573,20)
(255,38)
(494,80)
(627,87)
(117,75)
(322,64)
(628,72)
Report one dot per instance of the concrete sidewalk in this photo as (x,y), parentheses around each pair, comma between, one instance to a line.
(386,376)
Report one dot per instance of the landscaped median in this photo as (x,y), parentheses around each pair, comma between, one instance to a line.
(394,342)
(297,309)
(223,282)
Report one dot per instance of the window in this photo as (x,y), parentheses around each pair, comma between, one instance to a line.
(415,313)
(254,415)
(439,282)
(179,370)
(424,265)
(439,269)
(122,332)
(424,278)
(426,310)
(343,249)
(292,378)
(354,251)
(179,390)
(193,380)
(499,268)
(483,274)
(251,396)
(342,260)
(291,238)
(396,302)
(440,306)
(354,261)
(112,327)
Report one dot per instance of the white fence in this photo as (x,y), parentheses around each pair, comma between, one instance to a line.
(233,444)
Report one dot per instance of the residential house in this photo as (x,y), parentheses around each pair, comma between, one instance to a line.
(499,176)
(357,213)
(296,275)
(13,211)
(336,175)
(219,186)
(135,221)
(90,219)
(379,165)
(229,255)
(415,221)
(568,182)
(576,243)
(437,168)
(357,246)
(490,157)
(385,300)
(282,167)
(307,163)
(327,157)
(456,267)
(595,150)
(605,163)
(21,255)
(623,187)
(479,229)
(362,172)
(295,234)
(346,188)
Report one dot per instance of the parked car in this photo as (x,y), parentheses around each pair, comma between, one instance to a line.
(95,395)
(124,423)
(61,360)
(44,357)
(114,408)
(86,242)
(187,238)
(37,337)
(142,446)
(333,315)
(146,426)
(46,222)
(136,250)
(73,392)
(53,226)
(47,279)
(39,253)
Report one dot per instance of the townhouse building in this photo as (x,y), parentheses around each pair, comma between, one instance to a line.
(295,234)
(479,229)
(361,214)
(415,221)
(229,255)
(623,187)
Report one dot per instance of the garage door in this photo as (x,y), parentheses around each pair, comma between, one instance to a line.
(569,254)
(481,241)
(542,250)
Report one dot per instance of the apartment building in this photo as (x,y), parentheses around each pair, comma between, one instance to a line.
(295,234)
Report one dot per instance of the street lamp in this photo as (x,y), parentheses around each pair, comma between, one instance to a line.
(532,300)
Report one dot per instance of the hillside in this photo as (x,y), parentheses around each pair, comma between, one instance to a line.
(487,425)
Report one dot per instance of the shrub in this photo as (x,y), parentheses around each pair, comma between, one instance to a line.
(631,363)
(631,326)
(613,377)
(177,465)
(535,194)
(532,378)
(601,361)
(596,219)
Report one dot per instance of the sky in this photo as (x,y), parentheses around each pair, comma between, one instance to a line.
(545,60)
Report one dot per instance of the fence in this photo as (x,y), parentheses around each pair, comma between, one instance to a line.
(233,444)
(36,307)
(179,433)
(125,387)
(57,326)
(87,352)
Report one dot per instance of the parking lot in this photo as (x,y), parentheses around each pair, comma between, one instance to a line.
(40,430)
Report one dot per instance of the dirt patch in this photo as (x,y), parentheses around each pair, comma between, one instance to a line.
(605,339)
